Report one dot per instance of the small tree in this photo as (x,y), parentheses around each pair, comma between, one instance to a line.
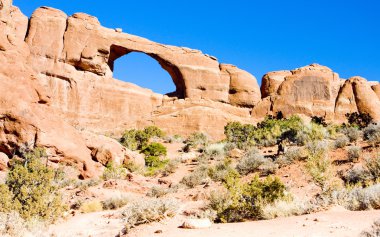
(30,184)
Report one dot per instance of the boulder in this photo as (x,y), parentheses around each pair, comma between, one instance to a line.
(3,161)
(243,88)
(272,81)
(310,90)
(366,99)
(196,224)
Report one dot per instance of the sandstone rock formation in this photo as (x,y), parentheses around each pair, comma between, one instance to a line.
(57,89)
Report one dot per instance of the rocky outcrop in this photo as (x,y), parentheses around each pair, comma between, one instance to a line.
(316,90)
(57,90)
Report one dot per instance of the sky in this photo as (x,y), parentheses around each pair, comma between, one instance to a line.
(257,36)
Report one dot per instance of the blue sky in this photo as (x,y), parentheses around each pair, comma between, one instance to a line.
(258,36)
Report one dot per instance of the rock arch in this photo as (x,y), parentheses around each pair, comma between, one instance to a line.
(117,51)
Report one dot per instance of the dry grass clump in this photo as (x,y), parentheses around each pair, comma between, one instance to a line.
(374,232)
(148,210)
(197,177)
(285,208)
(11,224)
(341,141)
(253,161)
(115,202)
(358,198)
(91,206)
(354,153)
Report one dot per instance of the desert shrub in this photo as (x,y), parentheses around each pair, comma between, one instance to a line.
(319,120)
(353,133)
(153,131)
(147,211)
(6,199)
(310,133)
(354,153)
(157,192)
(374,232)
(239,134)
(153,158)
(114,202)
(154,165)
(197,140)
(253,161)
(11,224)
(360,120)
(295,154)
(175,138)
(358,198)
(341,141)
(132,166)
(285,208)
(265,133)
(357,175)
(319,165)
(114,171)
(372,165)
(215,151)
(195,178)
(170,167)
(32,189)
(220,171)
(134,139)
(154,149)
(239,201)
(372,134)
(91,206)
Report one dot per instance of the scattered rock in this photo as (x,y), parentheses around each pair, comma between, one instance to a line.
(3,161)
(196,224)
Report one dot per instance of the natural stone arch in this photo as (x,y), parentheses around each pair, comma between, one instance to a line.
(117,51)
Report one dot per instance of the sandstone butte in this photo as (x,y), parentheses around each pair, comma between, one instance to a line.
(57,90)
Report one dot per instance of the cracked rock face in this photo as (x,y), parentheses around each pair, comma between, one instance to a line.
(56,77)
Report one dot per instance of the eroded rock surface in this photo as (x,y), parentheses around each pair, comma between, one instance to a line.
(57,89)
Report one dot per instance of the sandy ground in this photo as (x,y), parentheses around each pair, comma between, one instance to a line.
(336,222)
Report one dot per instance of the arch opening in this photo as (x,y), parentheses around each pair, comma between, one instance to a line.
(141,69)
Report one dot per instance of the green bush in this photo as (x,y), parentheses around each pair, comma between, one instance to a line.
(266,133)
(153,158)
(134,139)
(154,149)
(240,201)
(240,134)
(31,187)
(153,131)
(318,164)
